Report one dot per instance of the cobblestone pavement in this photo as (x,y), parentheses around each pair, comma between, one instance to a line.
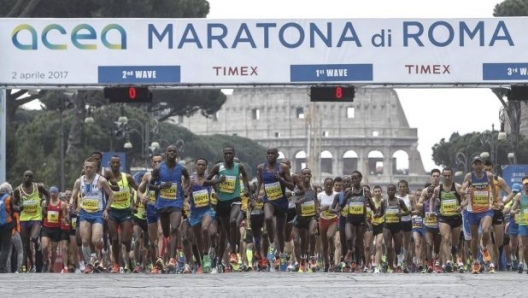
(269,285)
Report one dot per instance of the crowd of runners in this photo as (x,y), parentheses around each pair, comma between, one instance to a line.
(211,219)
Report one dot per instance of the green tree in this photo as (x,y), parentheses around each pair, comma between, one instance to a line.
(210,147)
(39,138)
(459,149)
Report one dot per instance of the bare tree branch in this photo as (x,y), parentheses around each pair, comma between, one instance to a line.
(16,9)
(30,8)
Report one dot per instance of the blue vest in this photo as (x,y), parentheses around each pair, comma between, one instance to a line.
(274,191)
(173,196)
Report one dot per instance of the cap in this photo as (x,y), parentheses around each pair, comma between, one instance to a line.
(516,187)
(6,188)
(477,158)
(525,181)
(54,189)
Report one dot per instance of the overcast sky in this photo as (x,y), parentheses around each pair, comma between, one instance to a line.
(435,112)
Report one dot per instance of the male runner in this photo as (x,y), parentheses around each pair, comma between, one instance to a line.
(120,214)
(228,175)
(167,180)
(275,177)
(202,214)
(29,195)
(92,189)
(450,219)
(498,218)
(482,191)
(152,215)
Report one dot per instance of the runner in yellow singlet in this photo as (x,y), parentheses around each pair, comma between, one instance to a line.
(29,195)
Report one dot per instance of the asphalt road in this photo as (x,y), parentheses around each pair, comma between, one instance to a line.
(269,285)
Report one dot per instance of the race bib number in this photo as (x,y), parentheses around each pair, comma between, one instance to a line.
(53,216)
(30,207)
(449,207)
(417,222)
(391,217)
(169,193)
(308,209)
(327,214)
(122,196)
(431,219)
(356,208)
(273,191)
(90,205)
(228,186)
(524,216)
(152,197)
(480,199)
(201,198)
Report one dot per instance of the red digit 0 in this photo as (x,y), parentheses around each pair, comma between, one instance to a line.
(132,92)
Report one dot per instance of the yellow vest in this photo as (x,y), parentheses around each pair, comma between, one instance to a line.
(122,197)
(32,204)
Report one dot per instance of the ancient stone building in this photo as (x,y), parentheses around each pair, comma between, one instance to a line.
(330,138)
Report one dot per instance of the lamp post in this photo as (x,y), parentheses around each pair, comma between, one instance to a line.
(69,96)
(512,158)
(144,133)
(493,144)
(156,147)
(107,116)
(462,159)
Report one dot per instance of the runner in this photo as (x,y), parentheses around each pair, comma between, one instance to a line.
(520,206)
(167,180)
(306,221)
(512,229)
(289,233)
(275,177)
(355,202)
(450,220)
(228,175)
(418,230)
(497,221)
(149,199)
(120,216)
(410,202)
(396,208)
(51,232)
(336,205)
(328,221)
(430,209)
(480,214)
(92,188)
(377,227)
(202,213)
(29,195)
(141,237)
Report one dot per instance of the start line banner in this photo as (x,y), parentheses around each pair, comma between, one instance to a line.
(97,52)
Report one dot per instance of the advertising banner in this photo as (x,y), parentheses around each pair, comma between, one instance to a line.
(103,52)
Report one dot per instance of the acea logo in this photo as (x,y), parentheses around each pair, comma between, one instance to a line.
(56,37)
